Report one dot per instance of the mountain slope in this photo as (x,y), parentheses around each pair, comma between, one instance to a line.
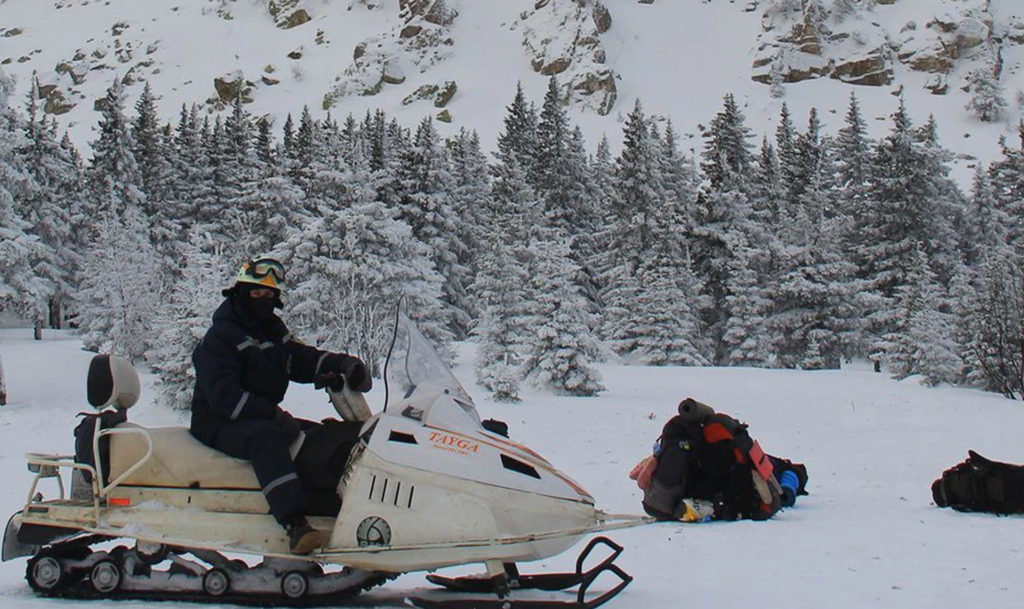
(460,60)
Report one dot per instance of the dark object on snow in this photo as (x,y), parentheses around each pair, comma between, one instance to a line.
(981,485)
(710,456)
(86,431)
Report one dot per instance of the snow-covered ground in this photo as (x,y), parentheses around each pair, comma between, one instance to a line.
(867,536)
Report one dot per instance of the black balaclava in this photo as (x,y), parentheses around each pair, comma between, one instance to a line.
(261,309)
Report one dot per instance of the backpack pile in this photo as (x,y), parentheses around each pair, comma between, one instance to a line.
(705,466)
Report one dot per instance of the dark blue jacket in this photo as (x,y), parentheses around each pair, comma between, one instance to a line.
(243,367)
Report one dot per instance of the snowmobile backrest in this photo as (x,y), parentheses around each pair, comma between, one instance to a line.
(112,381)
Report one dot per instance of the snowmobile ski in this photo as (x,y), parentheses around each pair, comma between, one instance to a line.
(511,602)
(546,581)
(505,585)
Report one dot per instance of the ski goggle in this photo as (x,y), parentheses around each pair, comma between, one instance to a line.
(264,271)
(266,266)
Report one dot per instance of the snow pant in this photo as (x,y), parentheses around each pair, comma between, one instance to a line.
(265,444)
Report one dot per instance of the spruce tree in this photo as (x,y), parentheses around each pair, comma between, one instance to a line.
(113,172)
(922,341)
(984,228)
(348,270)
(22,288)
(119,298)
(987,101)
(908,207)
(501,291)
(990,314)
(51,207)
(152,153)
(426,205)
(470,193)
(1007,178)
(192,177)
(665,323)
(184,317)
(561,355)
(519,136)
(815,318)
(503,287)
(724,227)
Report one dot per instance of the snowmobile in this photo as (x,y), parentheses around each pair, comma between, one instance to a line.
(152,513)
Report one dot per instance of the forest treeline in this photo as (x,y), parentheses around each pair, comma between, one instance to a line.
(797,249)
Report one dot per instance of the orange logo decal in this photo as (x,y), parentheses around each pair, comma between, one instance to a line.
(453,443)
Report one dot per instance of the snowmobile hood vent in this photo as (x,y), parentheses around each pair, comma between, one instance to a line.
(112,381)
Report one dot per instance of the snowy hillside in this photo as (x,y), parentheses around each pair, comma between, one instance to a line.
(459,60)
(867,536)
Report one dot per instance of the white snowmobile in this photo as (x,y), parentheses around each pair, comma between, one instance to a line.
(426,485)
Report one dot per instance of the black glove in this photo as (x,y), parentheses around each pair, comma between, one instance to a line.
(352,368)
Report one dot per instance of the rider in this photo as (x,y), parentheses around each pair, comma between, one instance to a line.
(243,367)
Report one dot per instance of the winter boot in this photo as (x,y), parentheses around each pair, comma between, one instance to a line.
(302,537)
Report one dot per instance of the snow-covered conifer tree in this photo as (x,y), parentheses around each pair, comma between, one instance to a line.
(984,228)
(184,317)
(1007,177)
(815,318)
(519,136)
(665,322)
(989,310)
(561,354)
(559,166)
(502,288)
(51,208)
(922,341)
(152,153)
(724,220)
(191,184)
(852,149)
(113,173)
(679,185)
(348,269)
(907,208)
(745,339)
(502,291)
(470,192)
(987,101)
(120,294)
(426,205)
(637,180)
(22,288)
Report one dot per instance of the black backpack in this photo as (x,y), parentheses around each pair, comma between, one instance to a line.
(85,431)
(981,485)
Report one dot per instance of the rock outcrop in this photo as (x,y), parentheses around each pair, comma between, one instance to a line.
(862,41)
(422,39)
(563,37)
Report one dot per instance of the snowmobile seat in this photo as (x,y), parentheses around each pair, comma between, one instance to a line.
(178,461)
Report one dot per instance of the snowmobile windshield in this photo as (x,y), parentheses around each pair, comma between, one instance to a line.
(414,370)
